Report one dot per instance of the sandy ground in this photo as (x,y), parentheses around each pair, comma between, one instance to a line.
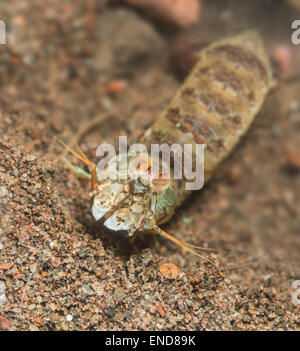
(58,269)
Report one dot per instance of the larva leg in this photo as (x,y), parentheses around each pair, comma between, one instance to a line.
(97,121)
(84,159)
(188,247)
(82,173)
(77,170)
(94,178)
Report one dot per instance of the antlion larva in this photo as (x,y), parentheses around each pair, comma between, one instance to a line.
(215,106)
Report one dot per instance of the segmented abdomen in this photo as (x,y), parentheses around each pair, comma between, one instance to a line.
(218,100)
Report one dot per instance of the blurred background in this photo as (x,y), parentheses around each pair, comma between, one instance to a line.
(69,63)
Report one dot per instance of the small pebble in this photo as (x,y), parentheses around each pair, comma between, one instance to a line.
(87,290)
(69,318)
(169,270)
(4,323)
(115,87)
(182,13)
(5,266)
(293,157)
(161,311)
(2,293)
(31,307)
(3,191)
(283,57)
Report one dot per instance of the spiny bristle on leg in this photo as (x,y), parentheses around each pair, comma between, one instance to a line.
(81,156)
(182,244)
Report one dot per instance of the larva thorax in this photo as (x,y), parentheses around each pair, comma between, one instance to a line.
(215,106)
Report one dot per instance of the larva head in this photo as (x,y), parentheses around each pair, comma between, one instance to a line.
(134,195)
(136,201)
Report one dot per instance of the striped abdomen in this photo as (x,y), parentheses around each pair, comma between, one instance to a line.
(218,100)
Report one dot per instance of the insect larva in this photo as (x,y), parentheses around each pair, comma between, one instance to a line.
(215,106)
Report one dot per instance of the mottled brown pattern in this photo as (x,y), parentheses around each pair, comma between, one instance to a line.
(159,137)
(203,131)
(200,125)
(240,56)
(236,119)
(173,114)
(219,99)
(214,102)
(222,106)
(189,91)
(231,82)
(192,124)
(219,109)
(185,122)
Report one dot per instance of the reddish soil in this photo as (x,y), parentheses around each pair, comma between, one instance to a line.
(66,63)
